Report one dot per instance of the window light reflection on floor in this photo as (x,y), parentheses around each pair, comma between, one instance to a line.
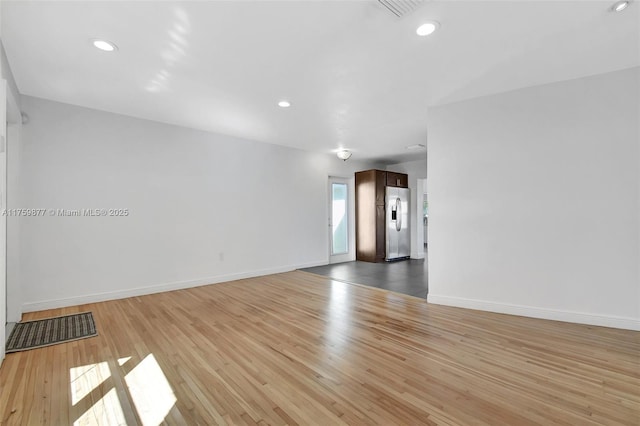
(106,411)
(86,378)
(150,391)
(147,385)
(338,318)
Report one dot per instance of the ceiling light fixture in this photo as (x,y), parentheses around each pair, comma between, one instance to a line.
(427,28)
(620,6)
(344,154)
(416,146)
(104,45)
(284,104)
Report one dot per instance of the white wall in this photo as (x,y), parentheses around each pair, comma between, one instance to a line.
(13,154)
(203,207)
(9,112)
(534,201)
(3,236)
(3,293)
(415,170)
(14,290)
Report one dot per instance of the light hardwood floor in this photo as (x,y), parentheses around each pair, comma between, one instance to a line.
(297,348)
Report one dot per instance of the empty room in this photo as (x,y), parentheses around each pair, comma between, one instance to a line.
(320,212)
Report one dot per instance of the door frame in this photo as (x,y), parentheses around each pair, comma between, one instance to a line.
(420,198)
(351,220)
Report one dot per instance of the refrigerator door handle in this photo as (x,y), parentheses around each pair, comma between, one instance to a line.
(399,213)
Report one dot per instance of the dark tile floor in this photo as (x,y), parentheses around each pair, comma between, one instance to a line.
(405,276)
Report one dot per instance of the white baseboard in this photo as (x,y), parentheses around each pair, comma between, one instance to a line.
(158,288)
(535,312)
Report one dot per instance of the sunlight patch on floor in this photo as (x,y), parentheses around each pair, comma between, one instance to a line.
(106,411)
(150,391)
(86,378)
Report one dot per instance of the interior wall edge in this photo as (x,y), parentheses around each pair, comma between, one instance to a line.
(12,88)
(513,179)
(536,312)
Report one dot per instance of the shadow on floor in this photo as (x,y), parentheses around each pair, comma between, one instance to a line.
(405,276)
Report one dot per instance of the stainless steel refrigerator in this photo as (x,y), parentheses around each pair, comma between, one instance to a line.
(397,238)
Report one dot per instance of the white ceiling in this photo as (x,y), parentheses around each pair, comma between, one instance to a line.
(357,76)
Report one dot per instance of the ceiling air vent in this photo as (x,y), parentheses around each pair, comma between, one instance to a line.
(400,8)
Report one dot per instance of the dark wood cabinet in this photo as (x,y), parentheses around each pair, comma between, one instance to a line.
(381,182)
(399,180)
(370,211)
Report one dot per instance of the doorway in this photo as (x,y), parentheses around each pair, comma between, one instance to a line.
(421,212)
(341,232)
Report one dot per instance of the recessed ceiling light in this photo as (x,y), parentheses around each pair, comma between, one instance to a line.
(620,6)
(427,28)
(284,104)
(105,45)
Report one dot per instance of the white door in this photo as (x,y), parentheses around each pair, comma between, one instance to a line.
(339,220)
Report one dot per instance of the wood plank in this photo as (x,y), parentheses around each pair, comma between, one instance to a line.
(297,348)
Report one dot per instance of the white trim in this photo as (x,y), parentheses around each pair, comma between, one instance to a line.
(158,288)
(535,312)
